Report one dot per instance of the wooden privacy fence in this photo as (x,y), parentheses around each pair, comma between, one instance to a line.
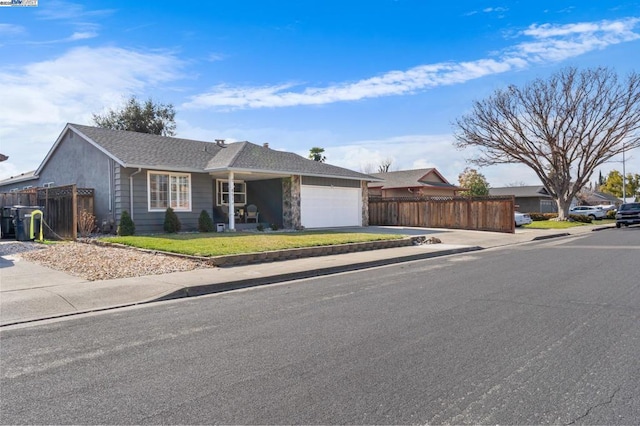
(493,213)
(60,205)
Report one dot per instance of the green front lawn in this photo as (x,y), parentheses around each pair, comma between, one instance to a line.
(552,224)
(218,244)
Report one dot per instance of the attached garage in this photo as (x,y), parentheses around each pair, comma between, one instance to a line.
(330,206)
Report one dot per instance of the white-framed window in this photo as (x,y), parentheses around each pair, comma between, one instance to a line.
(27,187)
(239,192)
(47,185)
(167,189)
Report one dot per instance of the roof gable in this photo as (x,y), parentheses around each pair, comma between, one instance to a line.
(134,149)
(411,179)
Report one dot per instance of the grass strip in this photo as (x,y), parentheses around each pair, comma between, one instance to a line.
(219,244)
(553,224)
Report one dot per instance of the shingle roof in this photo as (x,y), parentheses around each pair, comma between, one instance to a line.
(134,149)
(521,191)
(409,179)
(26,176)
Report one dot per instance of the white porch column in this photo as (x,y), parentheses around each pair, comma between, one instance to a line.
(232,204)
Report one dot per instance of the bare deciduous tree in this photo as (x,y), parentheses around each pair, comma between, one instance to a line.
(562,128)
(385,165)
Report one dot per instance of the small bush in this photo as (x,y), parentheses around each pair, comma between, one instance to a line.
(260,227)
(126,226)
(171,222)
(86,223)
(205,224)
(274,227)
(611,214)
(542,216)
(580,218)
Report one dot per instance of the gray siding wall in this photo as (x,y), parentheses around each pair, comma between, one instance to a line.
(153,222)
(7,187)
(75,161)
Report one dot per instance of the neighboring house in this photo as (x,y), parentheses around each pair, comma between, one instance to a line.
(144,174)
(597,198)
(19,182)
(412,183)
(529,199)
(3,158)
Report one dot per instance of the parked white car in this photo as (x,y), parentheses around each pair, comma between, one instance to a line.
(522,219)
(591,211)
(606,207)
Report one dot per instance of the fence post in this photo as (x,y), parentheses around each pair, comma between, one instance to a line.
(74,202)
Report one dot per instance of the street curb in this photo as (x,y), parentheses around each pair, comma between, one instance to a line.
(205,289)
(201,290)
(602,228)
(547,237)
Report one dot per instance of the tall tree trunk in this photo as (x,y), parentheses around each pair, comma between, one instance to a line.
(563,208)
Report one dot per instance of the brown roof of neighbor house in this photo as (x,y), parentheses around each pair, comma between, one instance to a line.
(133,149)
(415,178)
(535,191)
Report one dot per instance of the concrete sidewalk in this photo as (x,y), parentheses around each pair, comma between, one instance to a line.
(30,292)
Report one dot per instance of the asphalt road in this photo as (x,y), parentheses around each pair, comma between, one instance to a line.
(546,332)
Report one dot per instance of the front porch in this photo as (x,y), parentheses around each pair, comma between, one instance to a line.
(245,227)
(234,193)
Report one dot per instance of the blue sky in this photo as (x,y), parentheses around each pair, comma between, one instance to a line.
(366,80)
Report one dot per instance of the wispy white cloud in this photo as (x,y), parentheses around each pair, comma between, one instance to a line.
(215,57)
(418,152)
(551,43)
(77,36)
(82,36)
(495,9)
(77,16)
(63,10)
(39,98)
(11,30)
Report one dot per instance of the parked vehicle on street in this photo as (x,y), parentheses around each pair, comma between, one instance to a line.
(590,211)
(606,207)
(628,214)
(522,219)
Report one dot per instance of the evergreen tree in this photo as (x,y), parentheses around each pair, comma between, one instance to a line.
(205,224)
(474,183)
(157,119)
(126,226)
(171,222)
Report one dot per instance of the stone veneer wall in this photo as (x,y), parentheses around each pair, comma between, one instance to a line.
(291,202)
(365,203)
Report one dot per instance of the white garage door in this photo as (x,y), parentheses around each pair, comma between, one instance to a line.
(329,206)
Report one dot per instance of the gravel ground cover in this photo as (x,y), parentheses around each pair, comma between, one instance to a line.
(93,262)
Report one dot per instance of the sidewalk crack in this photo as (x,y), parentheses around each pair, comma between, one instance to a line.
(63,298)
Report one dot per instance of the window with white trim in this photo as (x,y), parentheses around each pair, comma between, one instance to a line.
(169,190)
(239,192)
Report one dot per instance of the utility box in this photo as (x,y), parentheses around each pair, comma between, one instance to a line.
(220,227)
